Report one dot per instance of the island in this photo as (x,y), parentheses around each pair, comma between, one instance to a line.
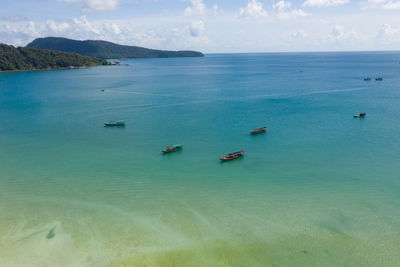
(106,50)
(25,58)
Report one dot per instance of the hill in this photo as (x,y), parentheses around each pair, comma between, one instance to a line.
(24,58)
(106,50)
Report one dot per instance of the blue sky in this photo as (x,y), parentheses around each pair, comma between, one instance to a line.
(210,25)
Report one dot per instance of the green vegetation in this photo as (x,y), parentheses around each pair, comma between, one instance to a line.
(23,58)
(106,50)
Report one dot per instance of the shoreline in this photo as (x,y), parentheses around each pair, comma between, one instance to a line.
(66,68)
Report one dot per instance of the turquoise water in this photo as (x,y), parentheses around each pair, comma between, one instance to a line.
(320,188)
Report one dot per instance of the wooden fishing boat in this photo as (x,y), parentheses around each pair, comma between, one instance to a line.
(115,123)
(231,156)
(259,130)
(379,79)
(172,148)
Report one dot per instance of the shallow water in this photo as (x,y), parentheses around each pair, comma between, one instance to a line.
(320,188)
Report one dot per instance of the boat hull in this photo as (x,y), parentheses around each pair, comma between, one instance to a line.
(169,150)
(115,123)
(110,125)
(257,131)
(232,156)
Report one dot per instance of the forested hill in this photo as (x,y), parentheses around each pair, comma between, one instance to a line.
(24,58)
(106,50)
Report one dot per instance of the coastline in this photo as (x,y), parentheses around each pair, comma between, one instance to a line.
(66,68)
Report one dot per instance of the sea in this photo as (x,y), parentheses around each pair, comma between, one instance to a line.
(319,188)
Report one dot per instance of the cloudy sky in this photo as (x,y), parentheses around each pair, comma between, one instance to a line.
(210,26)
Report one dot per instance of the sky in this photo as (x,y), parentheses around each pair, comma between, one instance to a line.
(210,26)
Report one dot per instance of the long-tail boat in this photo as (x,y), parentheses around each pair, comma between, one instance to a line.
(231,156)
(115,123)
(172,148)
(259,130)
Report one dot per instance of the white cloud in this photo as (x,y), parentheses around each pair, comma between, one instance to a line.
(299,35)
(282,5)
(284,11)
(300,38)
(324,3)
(18,32)
(376,1)
(342,37)
(199,12)
(83,25)
(57,27)
(388,35)
(338,32)
(383,4)
(391,5)
(98,5)
(253,9)
(215,10)
(115,28)
(197,28)
(388,30)
(197,8)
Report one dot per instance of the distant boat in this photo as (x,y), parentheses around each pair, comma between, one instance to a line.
(367,79)
(231,156)
(172,148)
(379,79)
(259,130)
(115,123)
(361,115)
(234,153)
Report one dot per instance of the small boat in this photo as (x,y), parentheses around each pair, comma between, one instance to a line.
(379,79)
(172,148)
(115,123)
(259,130)
(231,156)
(234,153)
(361,115)
(367,79)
